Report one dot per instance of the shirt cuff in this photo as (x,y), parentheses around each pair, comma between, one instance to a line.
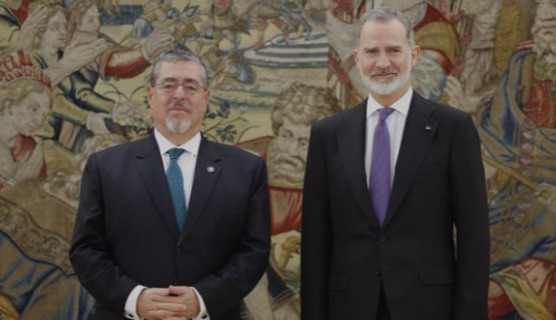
(203,314)
(131,303)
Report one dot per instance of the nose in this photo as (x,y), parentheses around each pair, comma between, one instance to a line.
(179,93)
(383,61)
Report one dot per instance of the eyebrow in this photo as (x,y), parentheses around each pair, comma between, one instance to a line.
(186,80)
(387,47)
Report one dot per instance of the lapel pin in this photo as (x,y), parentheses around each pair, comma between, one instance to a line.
(210,169)
(428,128)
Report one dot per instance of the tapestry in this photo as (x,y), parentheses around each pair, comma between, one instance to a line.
(72,82)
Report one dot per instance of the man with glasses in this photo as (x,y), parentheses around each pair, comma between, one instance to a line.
(172,226)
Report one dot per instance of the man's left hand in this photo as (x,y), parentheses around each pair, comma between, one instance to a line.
(182,295)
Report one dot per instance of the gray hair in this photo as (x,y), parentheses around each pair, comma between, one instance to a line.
(385,15)
(174,56)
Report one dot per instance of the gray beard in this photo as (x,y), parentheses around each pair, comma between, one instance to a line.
(384,88)
(177,125)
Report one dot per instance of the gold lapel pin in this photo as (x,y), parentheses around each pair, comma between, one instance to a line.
(210,169)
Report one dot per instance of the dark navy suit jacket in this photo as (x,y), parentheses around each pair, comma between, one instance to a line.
(126,232)
(438,195)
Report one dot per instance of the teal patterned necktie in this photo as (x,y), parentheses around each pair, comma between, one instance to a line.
(175,183)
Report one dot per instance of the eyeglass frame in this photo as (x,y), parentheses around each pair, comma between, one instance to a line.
(171,85)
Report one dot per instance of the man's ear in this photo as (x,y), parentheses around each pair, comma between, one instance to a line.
(415,53)
(355,57)
(207,98)
(150,93)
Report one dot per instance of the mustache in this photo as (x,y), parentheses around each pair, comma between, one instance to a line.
(180,105)
(380,72)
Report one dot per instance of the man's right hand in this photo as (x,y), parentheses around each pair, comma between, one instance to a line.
(157,299)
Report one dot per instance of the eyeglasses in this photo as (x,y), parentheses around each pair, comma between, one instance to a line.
(190,88)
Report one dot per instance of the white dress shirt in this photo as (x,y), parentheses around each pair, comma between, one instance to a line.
(396,125)
(187,162)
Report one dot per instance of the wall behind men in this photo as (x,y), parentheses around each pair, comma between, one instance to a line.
(491,59)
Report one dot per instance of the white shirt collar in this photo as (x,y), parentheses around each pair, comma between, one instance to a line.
(401,105)
(191,146)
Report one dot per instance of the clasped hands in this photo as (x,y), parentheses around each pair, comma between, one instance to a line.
(173,303)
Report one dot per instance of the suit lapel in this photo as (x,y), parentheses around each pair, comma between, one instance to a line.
(351,144)
(207,172)
(419,131)
(151,169)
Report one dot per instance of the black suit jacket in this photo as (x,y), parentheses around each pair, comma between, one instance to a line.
(126,233)
(438,184)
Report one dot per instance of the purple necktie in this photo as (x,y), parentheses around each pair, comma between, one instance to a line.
(379,184)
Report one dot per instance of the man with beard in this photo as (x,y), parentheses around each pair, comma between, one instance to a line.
(389,185)
(173,225)
(517,129)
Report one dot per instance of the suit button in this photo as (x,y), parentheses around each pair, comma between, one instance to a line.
(377,273)
(382,238)
(180,250)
